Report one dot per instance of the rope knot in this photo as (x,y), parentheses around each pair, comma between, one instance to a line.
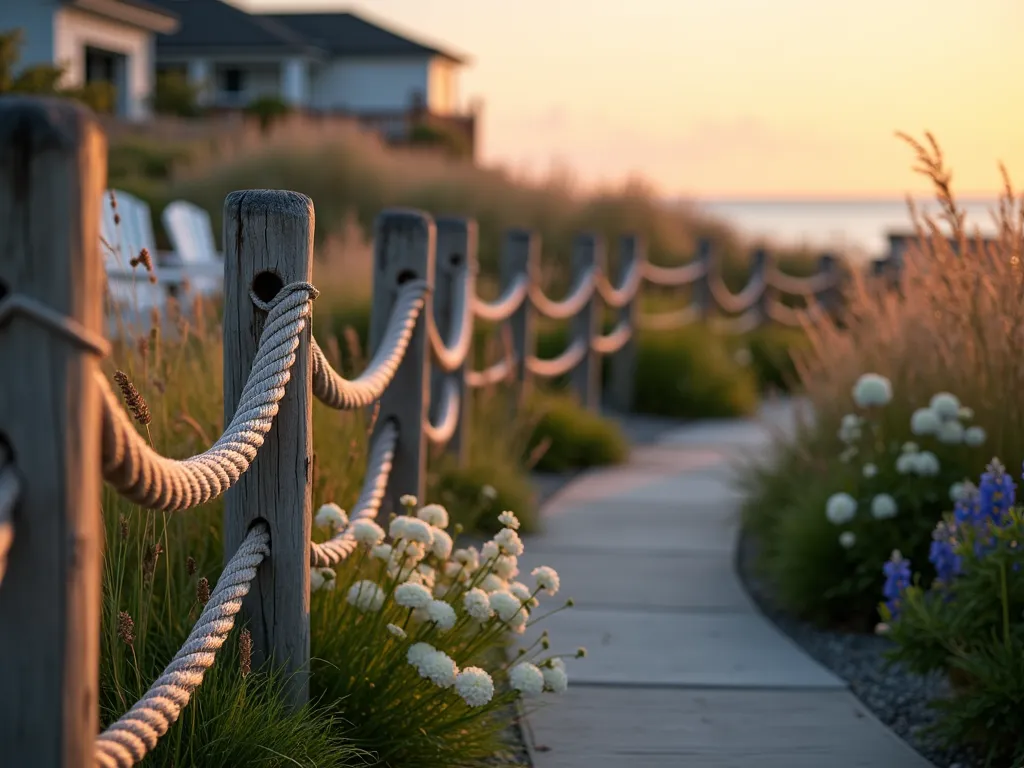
(284,293)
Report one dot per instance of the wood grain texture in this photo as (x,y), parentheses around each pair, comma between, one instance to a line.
(588,251)
(632,251)
(53,159)
(270,231)
(520,254)
(404,251)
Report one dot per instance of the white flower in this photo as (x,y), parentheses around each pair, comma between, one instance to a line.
(477,604)
(412,529)
(421,615)
(958,492)
(926,464)
(455,570)
(418,652)
(840,508)
(439,668)
(870,470)
(507,606)
(944,404)
(331,517)
(467,556)
(489,551)
(408,500)
(423,574)
(526,678)
(367,532)
(412,595)
(442,544)
(397,631)
(475,686)
(408,551)
(329,584)
(555,678)
(906,464)
(951,432)
(319,578)
(488,492)
(872,389)
(924,421)
(850,428)
(366,596)
(507,566)
(441,614)
(524,594)
(509,541)
(966,413)
(974,436)
(847,539)
(509,520)
(435,515)
(547,579)
(381,552)
(883,507)
(492,582)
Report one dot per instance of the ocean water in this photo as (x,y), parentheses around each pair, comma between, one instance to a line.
(856,229)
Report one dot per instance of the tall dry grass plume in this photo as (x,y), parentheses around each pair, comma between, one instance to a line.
(955,323)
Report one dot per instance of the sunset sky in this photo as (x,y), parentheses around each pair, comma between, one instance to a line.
(735,98)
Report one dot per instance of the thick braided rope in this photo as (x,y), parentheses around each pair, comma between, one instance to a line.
(618,297)
(609,344)
(443,431)
(375,483)
(571,304)
(336,392)
(801,286)
(675,276)
(145,477)
(736,303)
(504,306)
(449,357)
(561,365)
(491,375)
(137,732)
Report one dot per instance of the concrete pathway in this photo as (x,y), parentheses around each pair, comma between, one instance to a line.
(682,669)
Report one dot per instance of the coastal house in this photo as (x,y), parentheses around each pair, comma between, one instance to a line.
(324,62)
(109,41)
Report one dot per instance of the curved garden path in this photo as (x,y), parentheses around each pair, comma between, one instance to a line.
(682,668)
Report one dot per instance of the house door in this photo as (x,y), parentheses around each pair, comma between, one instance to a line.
(108,67)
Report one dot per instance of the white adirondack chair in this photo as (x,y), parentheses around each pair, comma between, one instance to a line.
(191,234)
(129,289)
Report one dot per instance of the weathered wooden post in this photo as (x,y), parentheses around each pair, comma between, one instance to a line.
(403,251)
(588,252)
(759,264)
(632,253)
(268,241)
(454,288)
(53,160)
(520,255)
(701,290)
(831,296)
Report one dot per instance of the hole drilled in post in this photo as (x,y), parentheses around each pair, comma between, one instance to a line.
(6,451)
(455,259)
(4,290)
(266,286)
(405,276)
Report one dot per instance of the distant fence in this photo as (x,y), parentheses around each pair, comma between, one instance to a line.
(63,430)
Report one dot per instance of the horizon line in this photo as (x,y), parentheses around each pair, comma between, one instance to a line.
(975,197)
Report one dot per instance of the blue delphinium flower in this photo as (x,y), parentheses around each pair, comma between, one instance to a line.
(943,555)
(996,494)
(897,579)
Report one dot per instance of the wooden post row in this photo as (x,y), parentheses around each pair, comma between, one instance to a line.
(455,276)
(268,242)
(701,291)
(632,251)
(758,271)
(404,245)
(520,255)
(585,377)
(53,158)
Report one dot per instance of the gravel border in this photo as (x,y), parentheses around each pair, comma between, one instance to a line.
(896,696)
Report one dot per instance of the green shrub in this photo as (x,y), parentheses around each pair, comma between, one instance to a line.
(770,353)
(967,622)
(267,109)
(477,492)
(691,373)
(175,95)
(451,141)
(568,436)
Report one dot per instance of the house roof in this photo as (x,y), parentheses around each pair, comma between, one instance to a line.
(214,25)
(140,13)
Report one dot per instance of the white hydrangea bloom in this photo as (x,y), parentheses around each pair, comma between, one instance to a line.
(467,556)
(492,582)
(509,520)
(397,631)
(489,492)
(412,595)
(366,596)
(555,679)
(396,530)
(547,579)
(951,433)
(435,515)
(509,609)
(869,470)
(489,551)
(442,614)
(331,517)
(412,529)
(477,604)
(946,405)
(316,580)
(926,464)
(408,551)
(524,593)
(974,436)
(421,615)
(381,552)
(840,508)
(418,652)
(872,389)
(509,541)
(441,547)
(850,428)
(526,678)
(367,532)
(408,500)
(883,507)
(957,492)
(906,464)
(423,574)
(475,686)
(847,539)
(453,569)
(925,421)
(439,668)
(507,566)
(329,583)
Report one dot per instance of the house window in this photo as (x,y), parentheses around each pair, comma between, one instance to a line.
(233,81)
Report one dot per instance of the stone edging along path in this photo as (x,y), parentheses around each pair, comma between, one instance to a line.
(683,669)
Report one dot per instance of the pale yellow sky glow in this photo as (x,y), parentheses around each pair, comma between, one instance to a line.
(738,98)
